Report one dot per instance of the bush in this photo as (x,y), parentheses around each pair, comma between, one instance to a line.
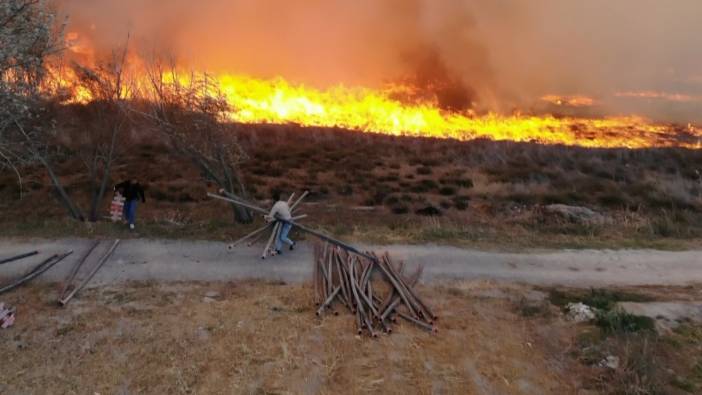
(400,209)
(447,191)
(618,322)
(429,211)
(424,170)
(461,202)
(424,186)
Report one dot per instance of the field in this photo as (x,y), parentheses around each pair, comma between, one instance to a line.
(263,338)
(378,188)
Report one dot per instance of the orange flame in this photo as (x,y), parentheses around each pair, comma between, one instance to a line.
(375,110)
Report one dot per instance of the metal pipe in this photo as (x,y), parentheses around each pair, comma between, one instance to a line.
(274,235)
(18,257)
(74,270)
(85,281)
(328,301)
(299,200)
(250,235)
(243,204)
(37,271)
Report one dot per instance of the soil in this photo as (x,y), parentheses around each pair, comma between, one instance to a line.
(253,337)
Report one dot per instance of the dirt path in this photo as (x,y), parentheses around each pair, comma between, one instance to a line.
(166,260)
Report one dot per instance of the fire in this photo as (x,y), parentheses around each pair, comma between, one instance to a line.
(569,101)
(279,101)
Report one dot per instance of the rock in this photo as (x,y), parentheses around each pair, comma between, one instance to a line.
(580,312)
(575,213)
(208,300)
(213,294)
(611,362)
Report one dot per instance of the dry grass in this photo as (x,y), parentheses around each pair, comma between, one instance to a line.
(264,338)
(493,191)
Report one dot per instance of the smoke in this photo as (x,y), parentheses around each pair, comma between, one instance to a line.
(498,55)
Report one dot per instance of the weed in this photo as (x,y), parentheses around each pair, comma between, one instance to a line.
(617,322)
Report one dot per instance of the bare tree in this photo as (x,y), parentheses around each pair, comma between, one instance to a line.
(192,112)
(99,146)
(28,36)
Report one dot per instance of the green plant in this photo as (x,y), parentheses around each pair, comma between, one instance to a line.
(618,321)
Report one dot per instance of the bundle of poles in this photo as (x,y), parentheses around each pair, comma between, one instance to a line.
(372,288)
(274,226)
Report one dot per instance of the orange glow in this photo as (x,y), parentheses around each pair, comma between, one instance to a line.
(278,101)
(569,101)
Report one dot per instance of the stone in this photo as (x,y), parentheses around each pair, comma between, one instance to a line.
(611,362)
(575,213)
(580,312)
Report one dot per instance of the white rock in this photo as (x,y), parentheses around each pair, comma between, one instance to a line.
(580,312)
(611,362)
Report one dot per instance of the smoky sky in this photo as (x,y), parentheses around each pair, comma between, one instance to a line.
(508,52)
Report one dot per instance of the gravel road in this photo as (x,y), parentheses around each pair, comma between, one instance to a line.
(170,260)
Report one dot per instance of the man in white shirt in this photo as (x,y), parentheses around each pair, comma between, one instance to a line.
(281,210)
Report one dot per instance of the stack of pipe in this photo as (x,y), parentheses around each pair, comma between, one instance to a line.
(372,288)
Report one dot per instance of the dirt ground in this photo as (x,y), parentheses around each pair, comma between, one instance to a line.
(264,338)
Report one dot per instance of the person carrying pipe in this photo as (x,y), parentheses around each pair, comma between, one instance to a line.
(281,210)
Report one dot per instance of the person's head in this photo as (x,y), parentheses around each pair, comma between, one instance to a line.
(276,196)
(134,180)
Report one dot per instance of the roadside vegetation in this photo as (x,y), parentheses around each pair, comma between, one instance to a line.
(370,188)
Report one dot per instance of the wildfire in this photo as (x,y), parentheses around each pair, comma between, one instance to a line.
(376,110)
(569,101)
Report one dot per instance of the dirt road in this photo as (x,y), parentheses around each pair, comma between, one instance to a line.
(166,260)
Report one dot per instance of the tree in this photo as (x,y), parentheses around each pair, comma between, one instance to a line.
(28,36)
(191,111)
(99,145)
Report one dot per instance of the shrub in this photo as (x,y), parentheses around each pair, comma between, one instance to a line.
(429,211)
(392,200)
(424,170)
(400,209)
(461,202)
(447,191)
(618,322)
(424,186)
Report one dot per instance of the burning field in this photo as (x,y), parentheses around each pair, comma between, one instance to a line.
(400,68)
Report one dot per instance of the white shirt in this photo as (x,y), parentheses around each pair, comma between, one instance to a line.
(282,210)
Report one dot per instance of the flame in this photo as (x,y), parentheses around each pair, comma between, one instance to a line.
(278,101)
(569,101)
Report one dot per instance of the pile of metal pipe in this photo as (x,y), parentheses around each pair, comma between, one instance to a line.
(374,289)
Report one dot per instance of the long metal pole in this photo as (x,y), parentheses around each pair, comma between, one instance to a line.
(327,238)
(243,204)
(299,200)
(18,257)
(250,235)
(76,267)
(85,281)
(37,271)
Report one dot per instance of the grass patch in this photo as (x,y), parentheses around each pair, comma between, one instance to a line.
(618,322)
(601,299)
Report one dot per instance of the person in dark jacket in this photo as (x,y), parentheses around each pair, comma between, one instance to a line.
(132,192)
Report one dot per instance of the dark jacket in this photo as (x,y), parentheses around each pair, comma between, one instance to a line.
(131,191)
